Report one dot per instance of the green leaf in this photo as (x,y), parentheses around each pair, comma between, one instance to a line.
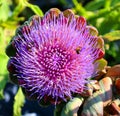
(72,107)
(4,10)
(18,9)
(34,8)
(11,24)
(112,36)
(22,4)
(5,36)
(3,63)
(18,103)
(79,8)
(94,5)
(110,19)
(114,2)
(3,81)
(107,4)
(3,74)
(1,40)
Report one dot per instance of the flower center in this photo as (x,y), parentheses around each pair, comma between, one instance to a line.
(55,60)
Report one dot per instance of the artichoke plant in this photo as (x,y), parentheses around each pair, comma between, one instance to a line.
(58,59)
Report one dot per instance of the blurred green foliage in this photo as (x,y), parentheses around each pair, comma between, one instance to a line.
(103,14)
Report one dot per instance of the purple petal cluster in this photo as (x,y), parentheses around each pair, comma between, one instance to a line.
(54,56)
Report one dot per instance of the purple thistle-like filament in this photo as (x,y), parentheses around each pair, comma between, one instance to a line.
(47,63)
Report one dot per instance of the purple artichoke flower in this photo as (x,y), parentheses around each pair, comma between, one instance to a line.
(54,56)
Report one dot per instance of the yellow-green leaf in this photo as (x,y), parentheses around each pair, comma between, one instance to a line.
(3,81)
(4,10)
(18,103)
(112,36)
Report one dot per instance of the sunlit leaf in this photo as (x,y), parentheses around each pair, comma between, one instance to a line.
(3,81)
(3,74)
(18,103)
(112,36)
(3,62)
(5,36)
(1,40)
(4,10)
